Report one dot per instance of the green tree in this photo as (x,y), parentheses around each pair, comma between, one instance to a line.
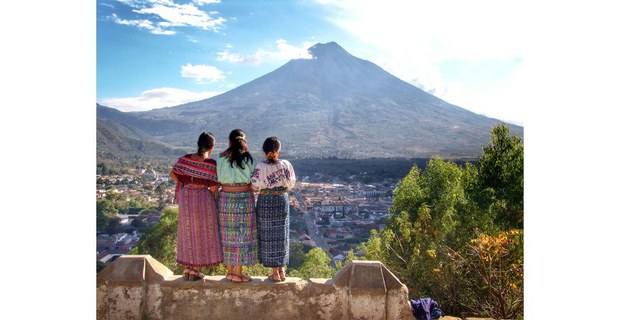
(372,247)
(423,218)
(485,277)
(296,255)
(136,203)
(160,240)
(473,218)
(105,212)
(316,265)
(501,177)
(438,217)
(139,224)
(350,257)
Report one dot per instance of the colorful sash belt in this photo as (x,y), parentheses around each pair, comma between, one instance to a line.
(236,188)
(194,186)
(273,191)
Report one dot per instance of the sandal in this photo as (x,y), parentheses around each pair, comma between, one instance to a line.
(282,275)
(196,275)
(186,273)
(241,277)
(229,276)
(274,277)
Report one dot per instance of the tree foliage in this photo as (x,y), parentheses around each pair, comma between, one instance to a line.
(348,259)
(160,240)
(316,265)
(106,211)
(114,204)
(296,255)
(486,276)
(501,177)
(444,214)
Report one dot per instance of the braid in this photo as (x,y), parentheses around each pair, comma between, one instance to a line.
(271,147)
(272,156)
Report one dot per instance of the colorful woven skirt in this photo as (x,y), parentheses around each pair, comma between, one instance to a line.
(198,234)
(272,214)
(238,228)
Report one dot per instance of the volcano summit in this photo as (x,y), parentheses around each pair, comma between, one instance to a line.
(334,104)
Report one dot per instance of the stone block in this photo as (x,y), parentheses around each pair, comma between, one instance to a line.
(122,292)
(139,287)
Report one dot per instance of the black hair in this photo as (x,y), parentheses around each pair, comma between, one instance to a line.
(271,146)
(206,141)
(238,150)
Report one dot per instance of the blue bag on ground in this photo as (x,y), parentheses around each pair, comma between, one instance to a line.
(426,309)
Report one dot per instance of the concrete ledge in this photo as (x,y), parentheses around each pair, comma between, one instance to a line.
(139,287)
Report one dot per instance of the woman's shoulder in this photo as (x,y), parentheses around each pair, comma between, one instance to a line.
(286,163)
(279,163)
(184,158)
(211,161)
(221,158)
(259,166)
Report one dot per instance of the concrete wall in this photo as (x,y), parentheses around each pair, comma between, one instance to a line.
(139,287)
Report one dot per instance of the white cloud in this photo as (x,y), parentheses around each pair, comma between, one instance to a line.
(203,2)
(142,24)
(166,14)
(107,5)
(284,52)
(202,72)
(156,98)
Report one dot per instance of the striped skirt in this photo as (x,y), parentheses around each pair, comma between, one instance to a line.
(198,234)
(272,214)
(238,228)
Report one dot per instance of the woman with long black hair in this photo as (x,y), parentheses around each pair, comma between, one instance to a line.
(236,207)
(198,235)
(274,178)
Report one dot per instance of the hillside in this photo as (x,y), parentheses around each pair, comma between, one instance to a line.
(118,140)
(334,105)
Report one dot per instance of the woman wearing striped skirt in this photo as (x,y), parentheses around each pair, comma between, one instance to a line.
(198,234)
(236,207)
(274,178)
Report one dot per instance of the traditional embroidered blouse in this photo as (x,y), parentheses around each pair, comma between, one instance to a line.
(229,175)
(270,175)
(191,171)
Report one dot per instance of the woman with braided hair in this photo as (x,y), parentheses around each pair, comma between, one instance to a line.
(236,207)
(198,234)
(274,178)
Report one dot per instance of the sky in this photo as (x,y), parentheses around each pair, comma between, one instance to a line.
(160,53)
(552,65)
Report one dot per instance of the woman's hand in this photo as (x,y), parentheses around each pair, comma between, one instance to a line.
(173,176)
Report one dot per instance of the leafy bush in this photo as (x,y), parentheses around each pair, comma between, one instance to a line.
(486,276)
(316,265)
(160,241)
(455,232)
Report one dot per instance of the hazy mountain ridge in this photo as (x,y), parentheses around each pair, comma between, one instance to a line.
(116,140)
(332,105)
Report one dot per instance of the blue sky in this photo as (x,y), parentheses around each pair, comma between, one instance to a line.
(158,53)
